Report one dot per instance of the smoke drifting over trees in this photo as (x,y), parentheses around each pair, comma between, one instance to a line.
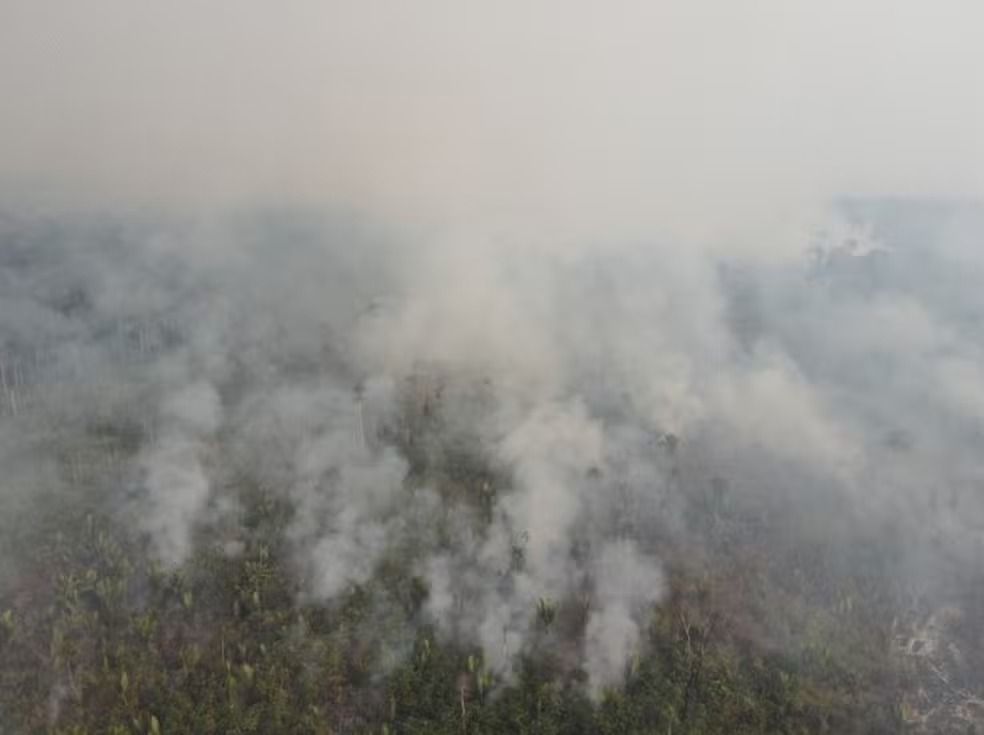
(538,443)
(525,369)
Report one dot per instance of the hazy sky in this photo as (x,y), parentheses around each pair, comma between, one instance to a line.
(692,118)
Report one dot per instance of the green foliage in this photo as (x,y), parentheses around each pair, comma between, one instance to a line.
(98,639)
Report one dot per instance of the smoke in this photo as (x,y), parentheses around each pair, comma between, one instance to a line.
(310,440)
(176,481)
(627,584)
(577,267)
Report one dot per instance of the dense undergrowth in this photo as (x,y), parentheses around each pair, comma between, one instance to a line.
(95,637)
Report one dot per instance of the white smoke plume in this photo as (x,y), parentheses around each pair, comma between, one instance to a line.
(626,586)
(176,479)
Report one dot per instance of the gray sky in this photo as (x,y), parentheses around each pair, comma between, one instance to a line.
(691,118)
